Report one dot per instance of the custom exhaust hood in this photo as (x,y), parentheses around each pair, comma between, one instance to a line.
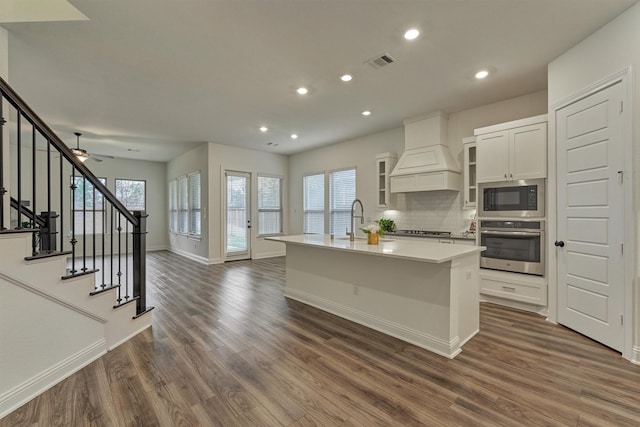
(426,164)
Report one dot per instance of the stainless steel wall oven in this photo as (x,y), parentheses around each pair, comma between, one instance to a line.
(513,245)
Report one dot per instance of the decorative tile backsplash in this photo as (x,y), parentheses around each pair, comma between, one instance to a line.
(430,210)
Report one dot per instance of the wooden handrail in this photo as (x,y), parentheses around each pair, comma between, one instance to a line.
(14,99)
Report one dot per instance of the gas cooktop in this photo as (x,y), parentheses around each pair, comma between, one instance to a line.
(426,233)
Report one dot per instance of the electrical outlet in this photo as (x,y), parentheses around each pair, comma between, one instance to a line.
(356,290)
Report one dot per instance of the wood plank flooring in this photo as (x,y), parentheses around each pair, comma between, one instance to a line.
(227,349)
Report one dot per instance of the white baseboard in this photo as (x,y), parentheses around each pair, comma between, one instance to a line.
(21,394)
(538,309)
(193,257)
(635,355)
(269,255)
(157,248)
(144,326)
(418,338)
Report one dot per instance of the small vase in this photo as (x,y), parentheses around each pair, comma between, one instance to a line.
(372,238)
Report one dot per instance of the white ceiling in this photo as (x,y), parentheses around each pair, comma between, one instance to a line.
(161,76)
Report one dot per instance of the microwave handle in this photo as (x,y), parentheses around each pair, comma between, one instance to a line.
(512,233)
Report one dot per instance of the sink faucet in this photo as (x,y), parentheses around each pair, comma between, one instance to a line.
(352,234)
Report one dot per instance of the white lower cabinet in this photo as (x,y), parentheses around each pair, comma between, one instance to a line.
(513,286)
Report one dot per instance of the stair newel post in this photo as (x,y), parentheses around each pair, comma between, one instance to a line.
(48,233)
(139,260)
(35,240)
(73,219)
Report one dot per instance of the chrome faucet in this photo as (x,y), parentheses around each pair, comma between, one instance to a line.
(352,234)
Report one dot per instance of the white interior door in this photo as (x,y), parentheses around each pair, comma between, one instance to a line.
(238,216)
(590,216)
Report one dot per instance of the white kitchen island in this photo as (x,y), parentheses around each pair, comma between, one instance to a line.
(421,292)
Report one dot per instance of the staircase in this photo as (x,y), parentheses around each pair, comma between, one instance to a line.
(72,277)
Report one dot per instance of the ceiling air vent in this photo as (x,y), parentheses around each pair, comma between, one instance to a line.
(380,61)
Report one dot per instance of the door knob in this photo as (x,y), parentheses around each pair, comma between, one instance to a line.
(559,243)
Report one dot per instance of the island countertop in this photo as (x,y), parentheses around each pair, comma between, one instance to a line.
(424,251)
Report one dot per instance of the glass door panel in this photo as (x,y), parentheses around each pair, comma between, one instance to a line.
(238,216)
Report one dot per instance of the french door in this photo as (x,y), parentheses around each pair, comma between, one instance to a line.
(237,216)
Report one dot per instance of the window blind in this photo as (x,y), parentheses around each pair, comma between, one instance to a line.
(183,205)
(195,223)
(269,205)
(313,204)
(173,205)
(342,193)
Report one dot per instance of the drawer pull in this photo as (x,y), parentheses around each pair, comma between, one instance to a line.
(509,288)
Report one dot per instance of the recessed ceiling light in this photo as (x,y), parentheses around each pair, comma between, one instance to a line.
(263,128)
(482,74)
(366,113)
(302,90)
(346,77)
(411,34)
(294,136)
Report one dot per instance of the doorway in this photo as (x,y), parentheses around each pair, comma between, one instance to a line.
(237,224)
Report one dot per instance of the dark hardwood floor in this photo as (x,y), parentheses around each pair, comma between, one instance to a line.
(227,349)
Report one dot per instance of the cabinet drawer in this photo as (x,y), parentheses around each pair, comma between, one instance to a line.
(525,292)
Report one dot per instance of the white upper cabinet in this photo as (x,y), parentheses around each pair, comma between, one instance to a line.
(513,150)
(384,165)
(470,193)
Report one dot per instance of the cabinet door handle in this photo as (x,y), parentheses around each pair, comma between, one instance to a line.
(510,175)
(509,288)
(505,175)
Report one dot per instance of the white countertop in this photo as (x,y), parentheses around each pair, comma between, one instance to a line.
(425,251)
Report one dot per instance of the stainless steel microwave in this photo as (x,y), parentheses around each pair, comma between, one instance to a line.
(512,199)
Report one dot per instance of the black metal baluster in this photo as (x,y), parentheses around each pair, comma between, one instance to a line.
(94,228)
(19,169)
(104,236)
(3,190)
(33,189)
(62,205)
(119,257)
(111,231)
(126,264)
(73,219)
(50,241)
(84,223)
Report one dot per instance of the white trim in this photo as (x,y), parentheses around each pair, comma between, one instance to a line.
(193,257)
(518,305)
(270,254)
(38,384)
(625,77)
(136,332)
(439,346)
(635,356)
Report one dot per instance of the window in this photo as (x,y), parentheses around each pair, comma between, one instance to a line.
(269,205)
(342,193)
(132,193)
(313,204)
(194,204)
(173,206)
(185,205)
(88,207)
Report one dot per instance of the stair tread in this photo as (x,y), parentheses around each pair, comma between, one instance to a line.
(143,312)
(105,289)
(21,230)
(78,274)
(129,301)
(47,255)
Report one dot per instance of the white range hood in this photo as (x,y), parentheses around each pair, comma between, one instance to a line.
(426,164)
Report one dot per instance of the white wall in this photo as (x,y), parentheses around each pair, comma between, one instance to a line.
(606,52)
(360,152)
(191,161)
(224,157)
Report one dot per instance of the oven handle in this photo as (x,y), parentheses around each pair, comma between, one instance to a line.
(512,233)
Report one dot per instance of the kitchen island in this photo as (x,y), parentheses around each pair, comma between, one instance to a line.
(421,292)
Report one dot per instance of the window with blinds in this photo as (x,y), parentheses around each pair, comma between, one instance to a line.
(195,223)
(183,205)
(342,193)
(173,205)
(313,204)
(132,193)
(269,205)
(88,207)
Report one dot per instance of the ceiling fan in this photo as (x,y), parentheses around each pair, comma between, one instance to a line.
(82,154)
